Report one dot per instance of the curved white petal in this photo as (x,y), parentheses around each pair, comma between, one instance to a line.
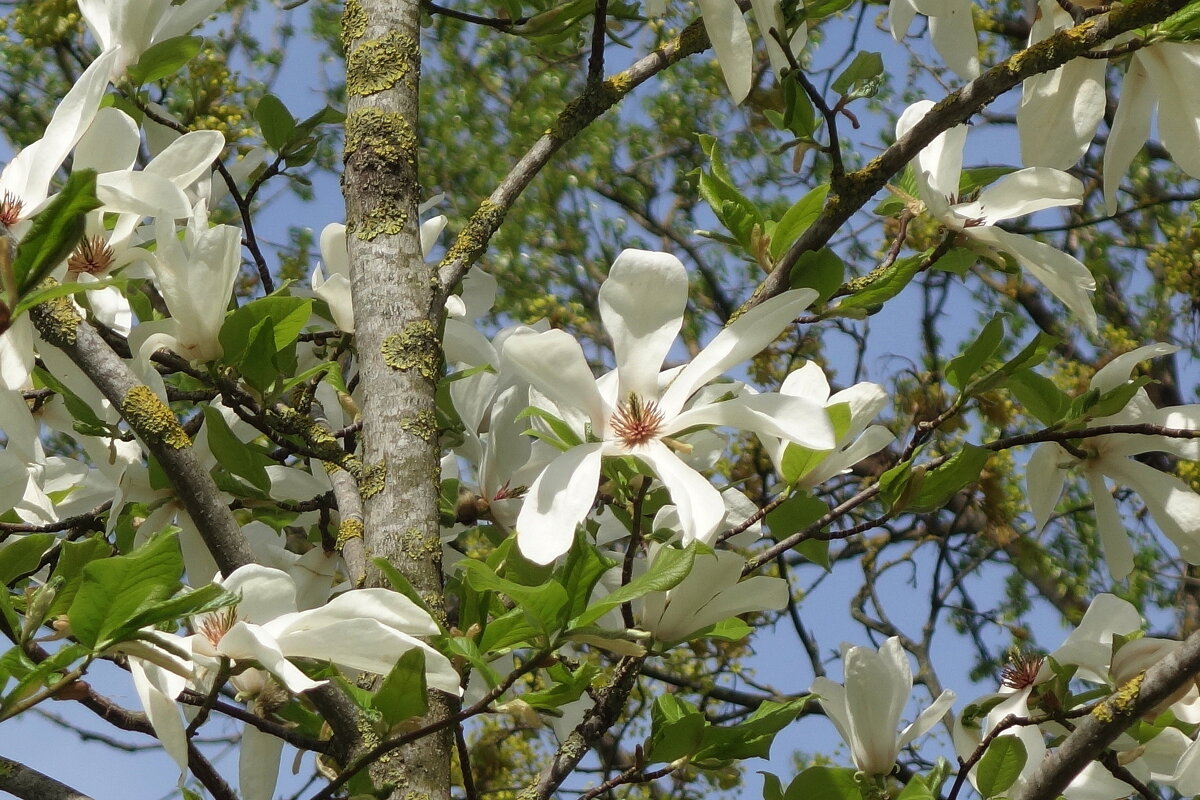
(808,381)
(794,419)
(258,763)
(1044,481)
(187,158)
(557,501)
(1023,192)
(1059,113)
(928,718)
(954,38)
(726,28)
(642,303)
(876,692)
(553,362)
(431,229)
(900,17)
(110,143)
(739,341)
(133,192)
(247,642)
(1119,370)
(700,506)
(1174,68)
(157,689)
(1173,505)
(1130,129)
(266,593)
(1118,552)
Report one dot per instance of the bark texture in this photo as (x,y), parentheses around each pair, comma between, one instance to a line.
(396,333)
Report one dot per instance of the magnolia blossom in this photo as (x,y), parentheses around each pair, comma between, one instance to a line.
(938,169)
(1174,507)
(867,709)
(712,592)
(127,29)
(851,410)
(637,410)
(950,27)
(1060,110)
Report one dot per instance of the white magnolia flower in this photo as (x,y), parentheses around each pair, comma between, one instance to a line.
(1173,505)
(638,409)
(851,410)
(712,592)
(195,278)
(867,709)
(938,169)
(1060,110)
(950,27)
(127,28)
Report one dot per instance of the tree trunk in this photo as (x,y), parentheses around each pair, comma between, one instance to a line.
(396,333)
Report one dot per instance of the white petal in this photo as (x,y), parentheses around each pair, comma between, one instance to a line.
(739,341)
(726,28)
(1059,113)
(1173,505)
(1120,369)
(110,143)
(700,506)
(431,229)
(794,419)
(266,593)
(928,718)
(875,696)
(938,166)
(808,381)
(187,158)
(553,362)
(1174,69)
(642,303)
(381,605)
(1044,481)
(1118,551)
(247,642)
(1024,192)
(1089,646)
(954,37)
(258,763)
(1065,277)
(150,682)
(1130,129)
(133,192)
(900,17)
(557,501)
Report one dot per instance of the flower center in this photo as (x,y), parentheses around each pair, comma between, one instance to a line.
(636,421)
(214,626)
(1021,670)
(10,209)
(93,255)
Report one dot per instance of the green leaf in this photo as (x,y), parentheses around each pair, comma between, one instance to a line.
(824,783)
(546,605)
(943,482)
(978,177)
(958,261)
(963,368)
(401,584)
(735,211)
(114,590)
(566,686)
(862,78)
(1000,766)
(164,59)
(23,555)
(896,486)
(668,569)
(257,364)
(276,122)
(509,630)
(822,270)
(289,315)
(676,730)
(1038,395)
(208,598)
(42,675)
(799,116)
(772,786)
(403,693)
(232,455)
(56,230)
(916,789)
(823,8)
(796,221)
(581,573)
(875,293)
(749,739)
(85,419)
(567,437)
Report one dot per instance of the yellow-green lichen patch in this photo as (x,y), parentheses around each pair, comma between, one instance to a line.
(57,321)
(371,480)
(379,64)
(423,425)
(351,528)
(354,22)
(414,347)
(1120,703)
(474,237)
(152,420)
(419,547)
(381,154)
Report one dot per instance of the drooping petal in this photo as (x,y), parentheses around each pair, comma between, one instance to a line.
(642,303)
(1130,128)
(1118,552)
(953,35)
(1065,277)
(737,342)
(245,642)
(700,506)
(794,419)
(1044,481)
(557,501)
(1059,113)
(1174,68)
(157,689)
(1119,370)
(258,763)
(928,718)
(900,16)
(726,28)
(1173,505)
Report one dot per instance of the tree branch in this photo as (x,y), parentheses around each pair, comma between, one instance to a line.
(29,784)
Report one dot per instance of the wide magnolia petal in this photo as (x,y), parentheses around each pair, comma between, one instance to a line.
(188,158)
(258,763)
(739,341)
(1044,481)
(1130,128)
(794,419)
(760,593)
(16,354)
(832,697)
(1174,69)
(1118,552)
(1023,192)
(553,362)
(642,303)
(876,692)
(700,506)
(144,193)
(266,593)
(872,440)
(244,642)
(1065,277)
(900,16)
(1119,370)
(726,28)
(110,143)
(808,381)
(1089,646)
(335,291)
(954,38)
(928,718)
(381,605)
(1059,113)
(431,229)
(557,502)
(1173,505)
